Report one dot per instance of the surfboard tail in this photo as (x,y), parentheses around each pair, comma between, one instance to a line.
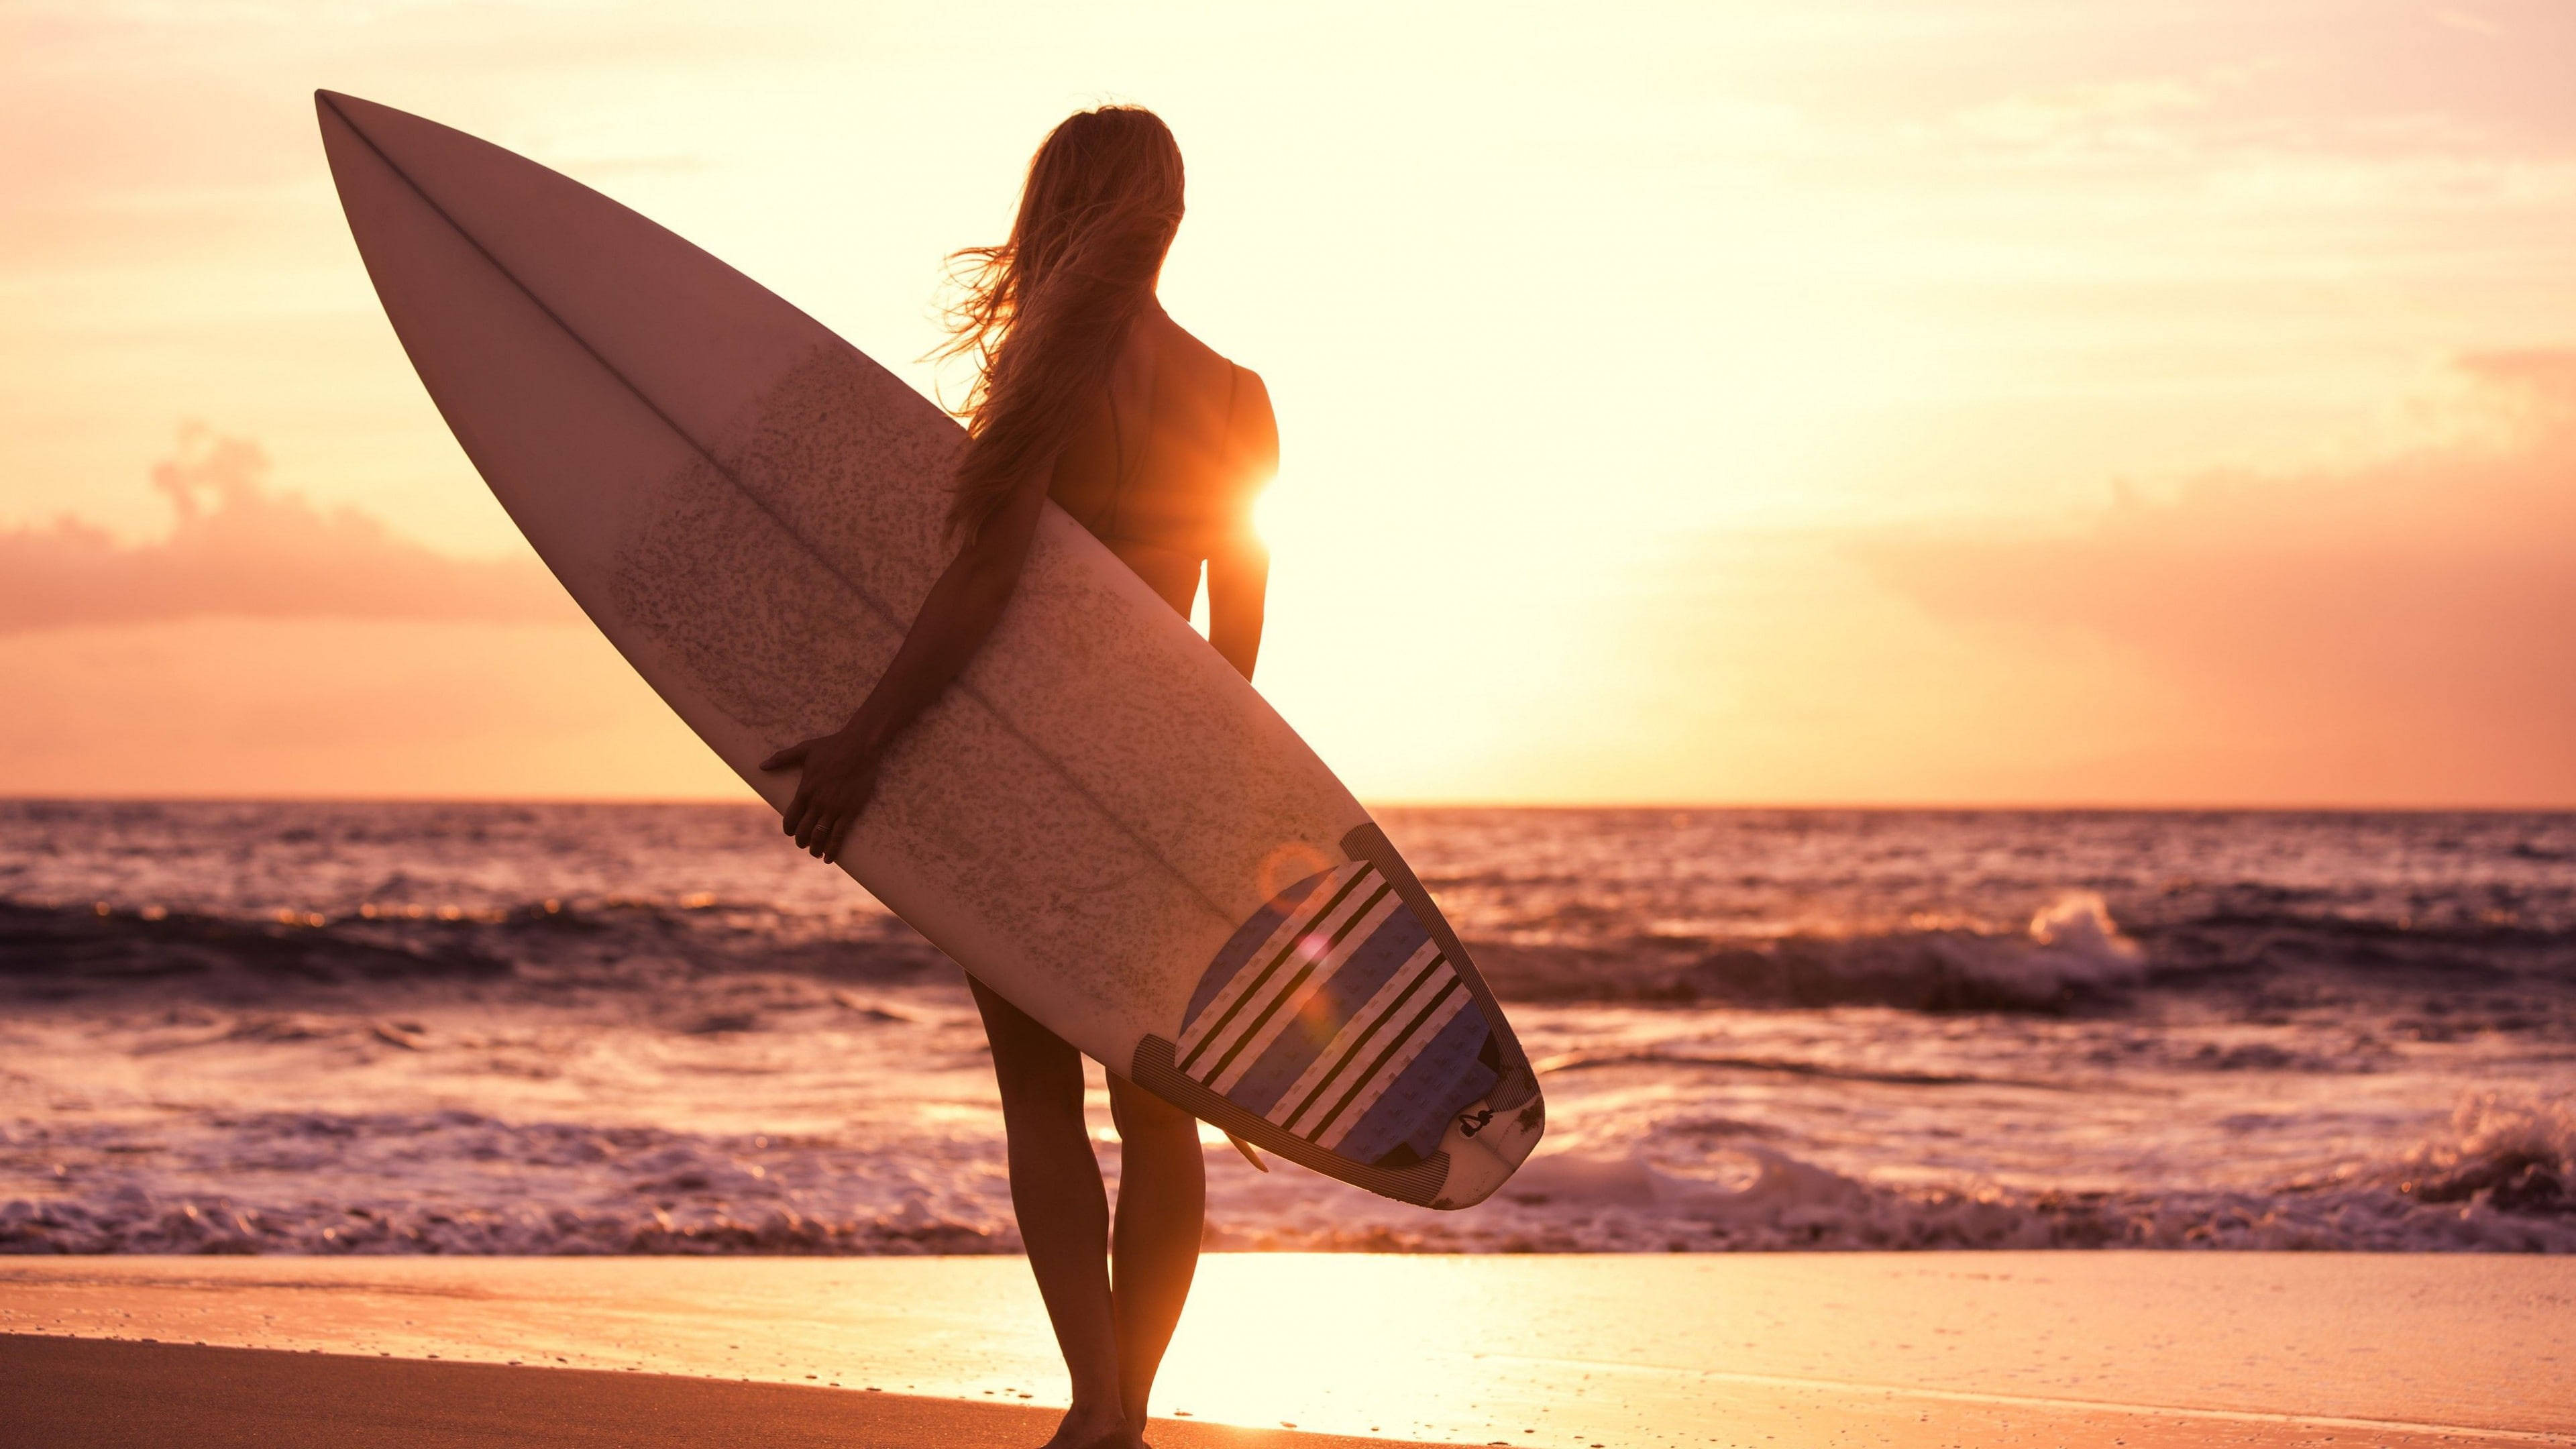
(1344,1026)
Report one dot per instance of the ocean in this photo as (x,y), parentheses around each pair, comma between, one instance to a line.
(592,1028)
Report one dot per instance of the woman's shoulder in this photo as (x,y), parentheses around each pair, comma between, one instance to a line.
(1227,403)
(1212,369)
(1209,378)
(1179,348)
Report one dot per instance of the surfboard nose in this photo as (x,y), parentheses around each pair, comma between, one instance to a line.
(338,114)
(357,112)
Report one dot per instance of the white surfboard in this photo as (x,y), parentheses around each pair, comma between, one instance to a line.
(1101,820)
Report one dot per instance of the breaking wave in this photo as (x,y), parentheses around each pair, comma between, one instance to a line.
(2502,1180)
(458,1182)
(2498,1181)
(2071,954)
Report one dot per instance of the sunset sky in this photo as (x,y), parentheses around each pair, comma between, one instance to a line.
(2148,403)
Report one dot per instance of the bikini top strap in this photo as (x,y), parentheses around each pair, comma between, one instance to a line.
(1233,389)
(1127,469)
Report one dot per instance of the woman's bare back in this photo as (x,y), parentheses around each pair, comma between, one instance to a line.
(1165,464)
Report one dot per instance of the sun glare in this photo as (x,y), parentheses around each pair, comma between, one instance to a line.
(1261,513)
(1312,1331)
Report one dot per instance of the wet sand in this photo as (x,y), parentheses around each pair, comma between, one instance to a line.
(68,1393)
(2129,1349)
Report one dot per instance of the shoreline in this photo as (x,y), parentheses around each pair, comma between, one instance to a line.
(1617,1350)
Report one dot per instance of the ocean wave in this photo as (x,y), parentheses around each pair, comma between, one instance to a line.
(2249,930)
(2070,955)
(2503,1179)
(2070,952)
(2515,1154)
(65,950)
(459,1182)
(2498,1179)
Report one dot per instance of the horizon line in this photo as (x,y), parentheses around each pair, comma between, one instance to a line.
(2068,807)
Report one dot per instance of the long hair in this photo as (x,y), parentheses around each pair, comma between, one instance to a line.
(1044,311)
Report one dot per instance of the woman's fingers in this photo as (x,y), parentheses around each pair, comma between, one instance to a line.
(828,802)
(839,834)
(816,828)
(812,807)
(865,792)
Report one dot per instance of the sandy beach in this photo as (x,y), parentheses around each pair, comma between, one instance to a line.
(69,1394)
(1753,1350)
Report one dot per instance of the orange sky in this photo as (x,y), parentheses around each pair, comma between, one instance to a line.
(2154,403)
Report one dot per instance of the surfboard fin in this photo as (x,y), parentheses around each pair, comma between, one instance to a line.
(1248,1154)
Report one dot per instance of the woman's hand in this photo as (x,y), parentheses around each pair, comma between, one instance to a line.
(840,774)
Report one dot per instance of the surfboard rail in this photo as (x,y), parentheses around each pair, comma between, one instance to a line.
(751,510)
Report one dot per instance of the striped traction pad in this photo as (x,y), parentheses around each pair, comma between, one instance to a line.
(1334,1016)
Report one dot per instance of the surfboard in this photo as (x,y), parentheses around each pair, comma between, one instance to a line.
(1100,820)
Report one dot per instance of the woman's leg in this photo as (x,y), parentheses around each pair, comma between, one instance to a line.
(1162,1203)
(1063,1213)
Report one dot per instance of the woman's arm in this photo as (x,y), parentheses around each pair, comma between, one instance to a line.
(1238,579)
(1238,567)
(840,769)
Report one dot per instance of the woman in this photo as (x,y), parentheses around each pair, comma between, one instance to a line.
(1090,395)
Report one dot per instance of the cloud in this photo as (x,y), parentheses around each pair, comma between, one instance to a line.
(2404,628)
(239,550)
(371,708)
